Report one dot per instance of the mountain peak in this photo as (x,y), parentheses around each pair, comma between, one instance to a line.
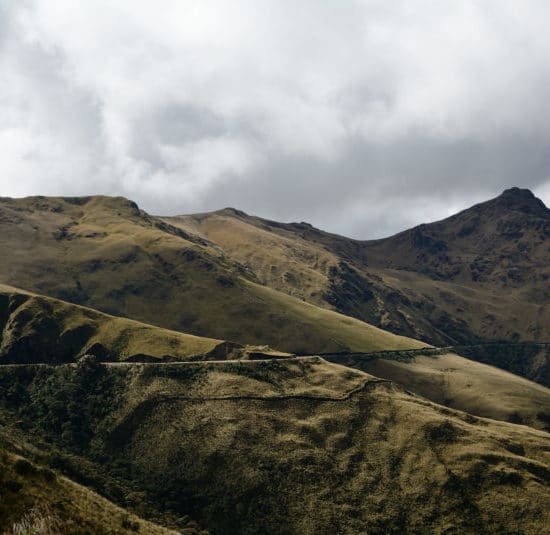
(229,210)
(523,200)
(518,193)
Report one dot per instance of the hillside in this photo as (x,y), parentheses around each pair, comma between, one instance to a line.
(36,328)
(292,446)
(107,254)
(39,329)
(36,500)
(480,275)
(459,383)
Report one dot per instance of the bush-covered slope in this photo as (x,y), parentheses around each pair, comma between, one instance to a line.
(38,501)
(287,447)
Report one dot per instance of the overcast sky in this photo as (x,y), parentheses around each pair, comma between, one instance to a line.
(362,117)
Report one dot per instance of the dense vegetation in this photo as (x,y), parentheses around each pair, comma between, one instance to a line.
(273,447)
(39,501)
(69,410)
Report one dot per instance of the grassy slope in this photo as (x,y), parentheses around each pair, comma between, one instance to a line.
(307,323)
(62,505)
(321,268)
(530,360)
(105,253)
(337,273)
(304,447)
(277,255)
(479,275)
(36,328)
(473,387)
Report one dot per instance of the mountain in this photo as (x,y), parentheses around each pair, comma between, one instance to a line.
(186,417)
(501,241)
(106,253)
(488,266)
(289,446)
(476,277)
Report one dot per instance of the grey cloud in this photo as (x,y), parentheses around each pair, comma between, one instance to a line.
(362,117)
(374,190)
(176,124)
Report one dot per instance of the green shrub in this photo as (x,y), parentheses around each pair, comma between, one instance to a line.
(10,485)
(443,433)
(24,467)
(47,474)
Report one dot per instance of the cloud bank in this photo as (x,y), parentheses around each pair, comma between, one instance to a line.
(362,117)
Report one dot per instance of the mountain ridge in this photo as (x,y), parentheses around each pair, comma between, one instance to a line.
(422,282)
(374,439)
(108,254)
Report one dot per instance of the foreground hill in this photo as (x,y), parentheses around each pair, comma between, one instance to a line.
(107,254)
(36,500)
(36,328)
(480,275)
(288,446)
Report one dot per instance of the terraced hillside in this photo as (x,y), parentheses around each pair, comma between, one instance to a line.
(293,446)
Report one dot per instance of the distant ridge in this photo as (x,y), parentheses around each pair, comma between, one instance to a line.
(477,276)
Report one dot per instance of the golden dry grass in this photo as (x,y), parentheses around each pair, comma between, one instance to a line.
(466,385)
(104,253)
(279,258)
(339,332)
(38,501)
(319,448)
(302,446)
(38,328)
(480,274)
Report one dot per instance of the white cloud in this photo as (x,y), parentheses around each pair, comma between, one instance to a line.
(186,105)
